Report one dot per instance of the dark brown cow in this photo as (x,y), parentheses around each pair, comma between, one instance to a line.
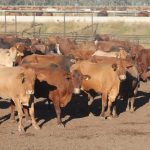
(64,61)
(129,87)
(12,40)
(102,37)
(111,45)
(135,50)
(102,13)
(58,86)
(143,14)
(63,45)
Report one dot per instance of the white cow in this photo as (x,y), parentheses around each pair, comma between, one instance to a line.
(121,54)
(9,56)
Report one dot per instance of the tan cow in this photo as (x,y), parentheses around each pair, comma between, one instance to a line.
(105,80)
(8,56)
(20,88)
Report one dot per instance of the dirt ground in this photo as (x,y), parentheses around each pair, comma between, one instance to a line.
(130,131)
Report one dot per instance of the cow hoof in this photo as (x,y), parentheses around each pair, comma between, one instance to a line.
(28,120)
(131,110)
(36,127)
(102,118)
(21,130)
(60,126)
(115,116)
(91,115)
(127,110)
(109,117)
(13,121)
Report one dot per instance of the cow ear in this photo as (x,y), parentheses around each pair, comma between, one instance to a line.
(114,66)
(20,54)
(21,77)
(41,76)
(86,77)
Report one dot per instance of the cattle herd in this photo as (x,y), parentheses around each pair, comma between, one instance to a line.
(57,68)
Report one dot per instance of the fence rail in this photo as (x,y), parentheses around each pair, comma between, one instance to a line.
(142,39)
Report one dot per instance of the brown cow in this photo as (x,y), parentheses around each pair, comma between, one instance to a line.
(129,86)
(143,61)
(102,13)
(58,86)
(143,14)
(104,79)
(101,37)
(63,45)
(23,79)
(64,61)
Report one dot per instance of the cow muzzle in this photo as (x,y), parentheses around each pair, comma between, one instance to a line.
(76,91)
(122,77)
(25,104)
(29,92)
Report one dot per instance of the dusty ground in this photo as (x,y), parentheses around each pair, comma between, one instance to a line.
(130,131)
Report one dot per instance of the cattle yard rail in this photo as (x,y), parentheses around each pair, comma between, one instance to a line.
(141,39)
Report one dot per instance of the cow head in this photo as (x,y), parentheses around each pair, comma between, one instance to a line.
(144,76)
(121,68)
(142,69)
(14,53)
(27,78)
(77,77)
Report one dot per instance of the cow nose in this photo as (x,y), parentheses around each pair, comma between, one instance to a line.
(122,77)
(25,104)
(29,92)
(76,91)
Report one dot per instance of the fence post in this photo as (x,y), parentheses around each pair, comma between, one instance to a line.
(64,24)
(92,22)
(5,23)
(15,24)
(34,14)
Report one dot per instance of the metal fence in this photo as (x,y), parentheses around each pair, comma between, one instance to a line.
(142,39)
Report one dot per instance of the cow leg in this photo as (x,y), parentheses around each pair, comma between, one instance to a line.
(54,96)
(12,110)
(114,109)
(112,97)
(108,113)
(31,111)
(90,98)
(58,113)
(104,103)
(128,104)
(20,114)
(26,112)
(132,104)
